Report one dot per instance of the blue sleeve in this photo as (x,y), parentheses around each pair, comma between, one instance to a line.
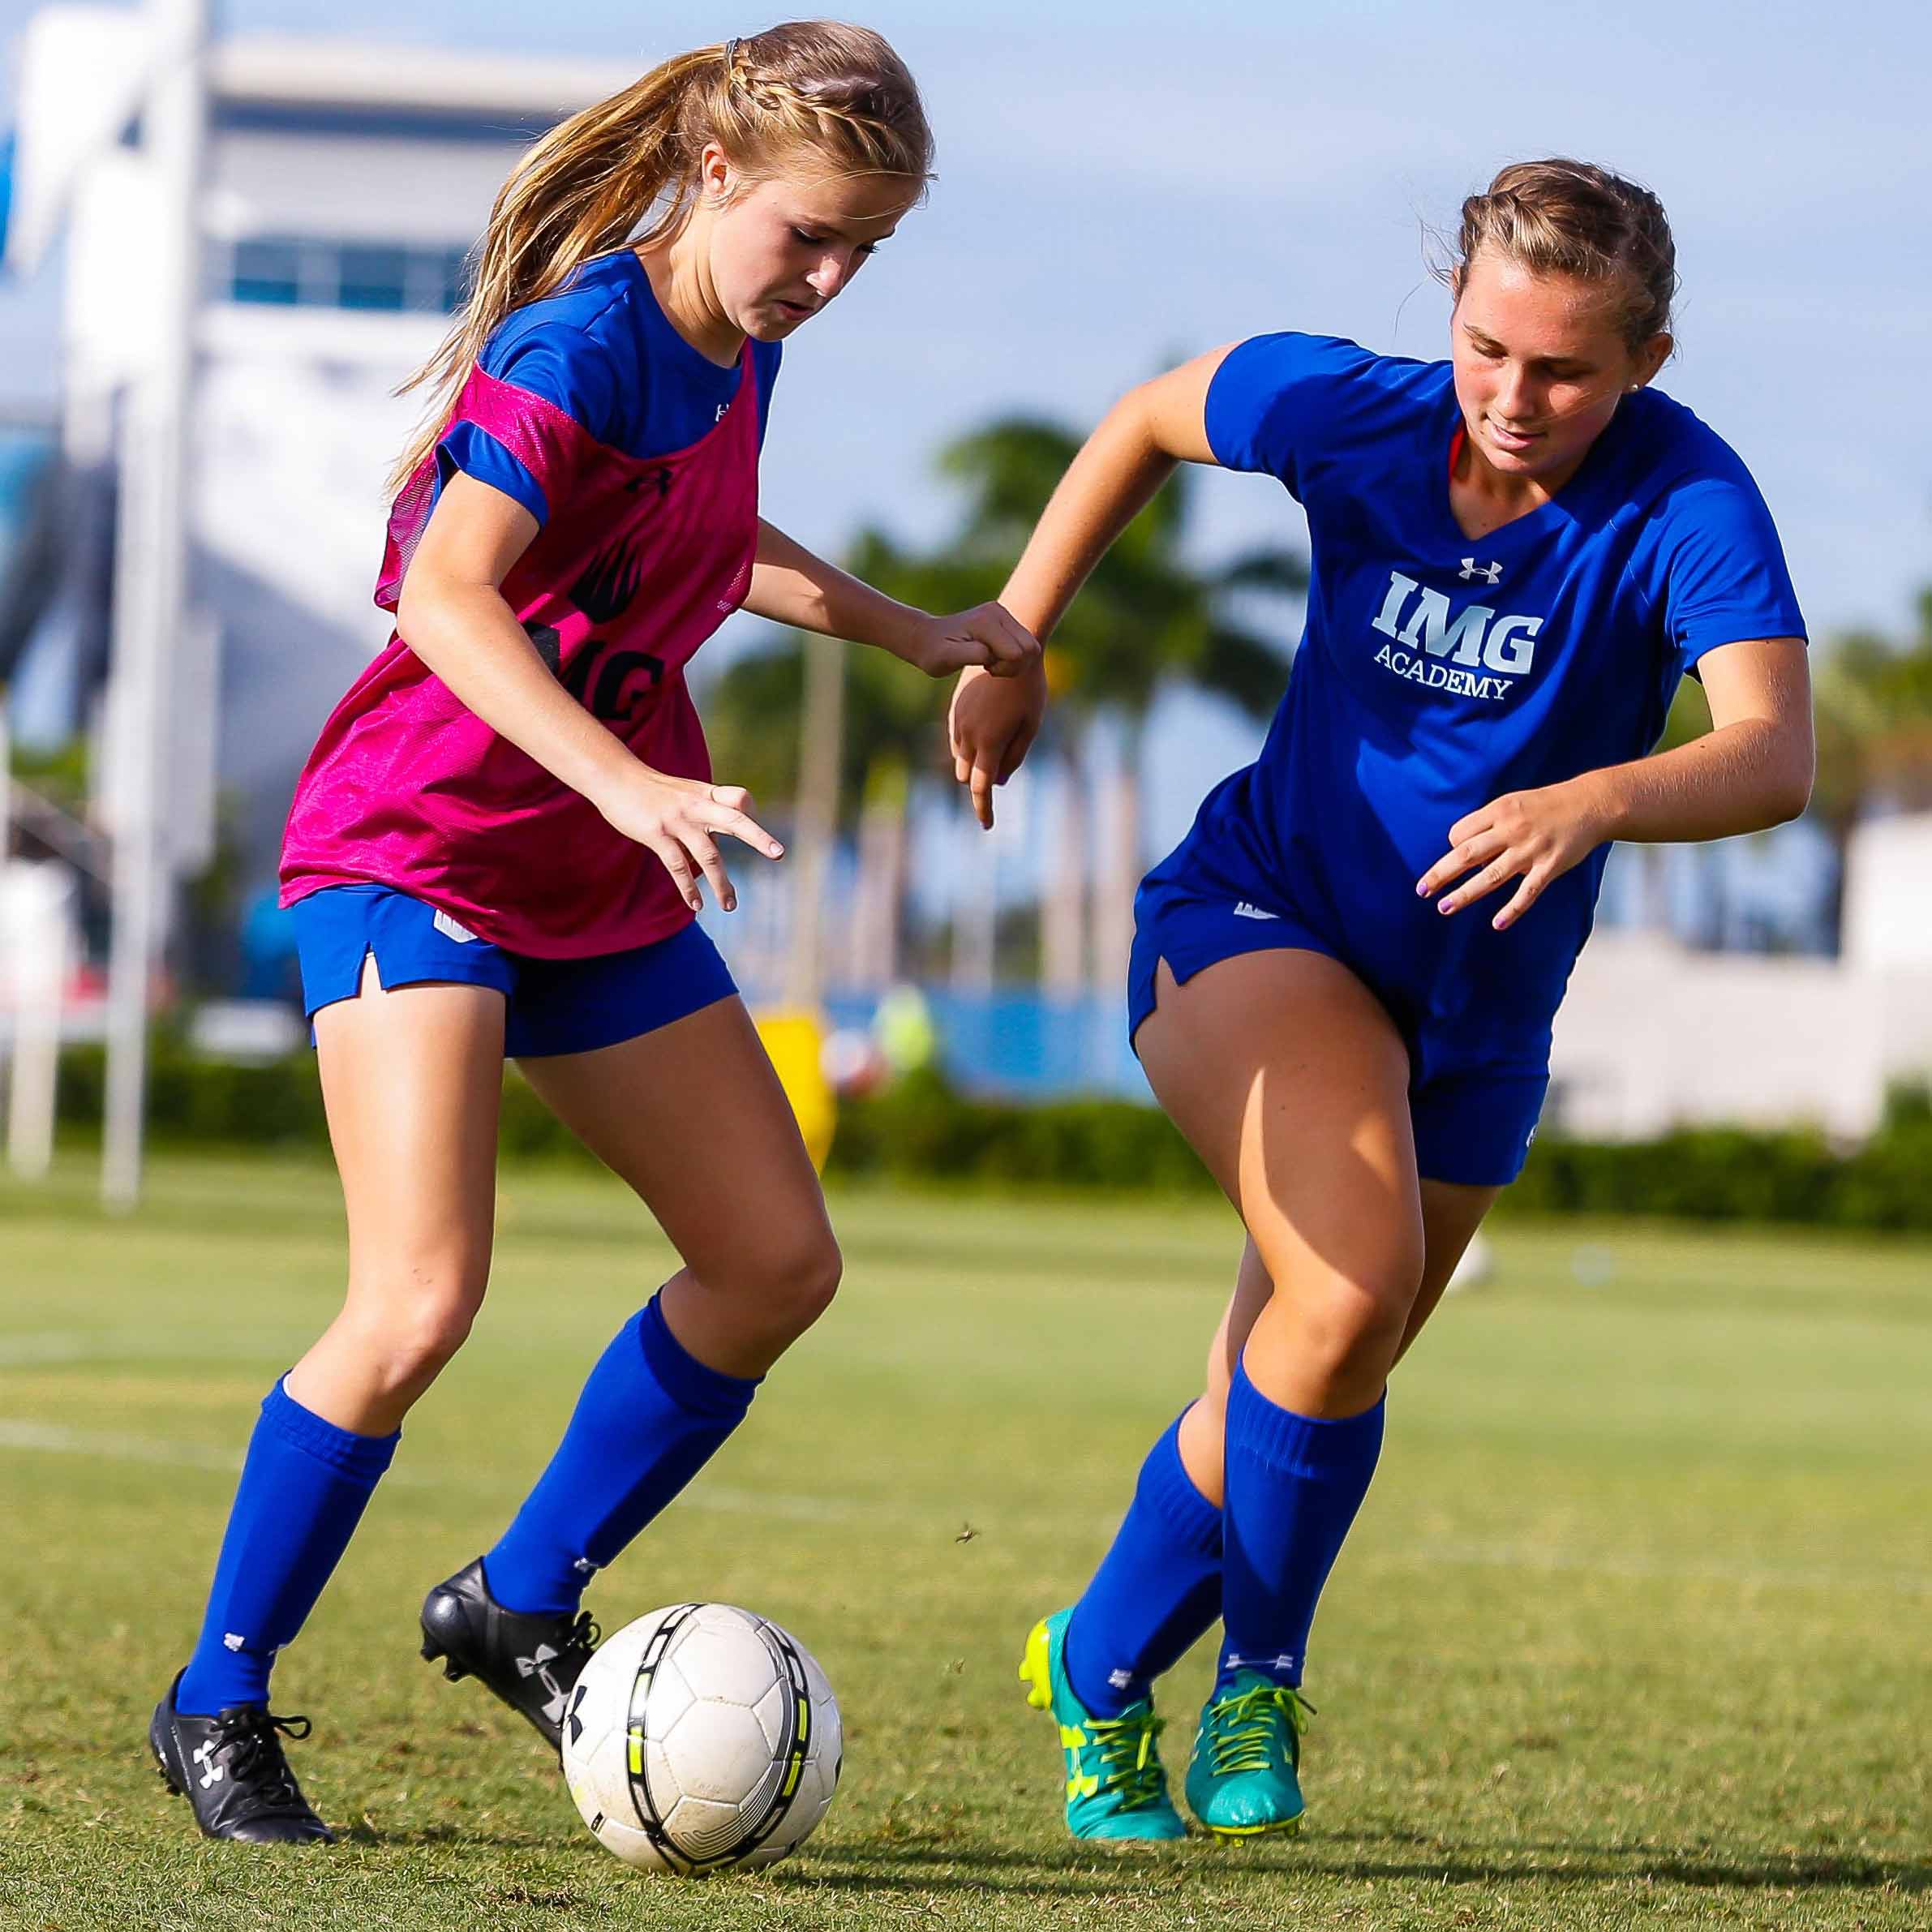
(1725,575)
(1272,398)
(565,367)
(765,359)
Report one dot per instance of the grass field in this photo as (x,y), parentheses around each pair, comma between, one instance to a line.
(1633,1630)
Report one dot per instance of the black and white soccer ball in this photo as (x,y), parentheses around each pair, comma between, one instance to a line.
(700,1738)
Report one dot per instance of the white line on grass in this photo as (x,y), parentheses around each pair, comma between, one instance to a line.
(30,1351)
(56,1438)
(1546,1557)
(53,1439)
(50,1438)
(62,1346)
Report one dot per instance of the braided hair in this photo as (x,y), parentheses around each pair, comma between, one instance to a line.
(817,93)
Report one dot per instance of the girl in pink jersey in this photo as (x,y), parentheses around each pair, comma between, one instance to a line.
(500,845)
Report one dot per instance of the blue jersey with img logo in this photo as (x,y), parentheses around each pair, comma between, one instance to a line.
(1437,671)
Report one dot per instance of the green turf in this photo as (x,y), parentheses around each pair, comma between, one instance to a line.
(1633,1630)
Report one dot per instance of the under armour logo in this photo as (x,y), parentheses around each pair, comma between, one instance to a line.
(453,929)
(1490,573)
(211,1773)
(538,1667)
(1119,1679)
(577,1704)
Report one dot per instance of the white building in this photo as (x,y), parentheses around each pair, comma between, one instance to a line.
(344,185)
(1653,1036)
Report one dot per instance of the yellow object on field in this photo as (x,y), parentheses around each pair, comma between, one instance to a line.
(795,1042)
(905,1030)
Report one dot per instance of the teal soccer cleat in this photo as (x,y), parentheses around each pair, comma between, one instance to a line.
(1242,1779)
(1116,1788)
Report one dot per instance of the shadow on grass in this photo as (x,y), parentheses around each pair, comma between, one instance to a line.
(420,1838)
(919,1868)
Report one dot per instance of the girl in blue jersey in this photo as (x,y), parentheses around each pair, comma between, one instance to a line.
(1343,979)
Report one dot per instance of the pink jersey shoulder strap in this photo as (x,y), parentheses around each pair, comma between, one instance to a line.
(549,443)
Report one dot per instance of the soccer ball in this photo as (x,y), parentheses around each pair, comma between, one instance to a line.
(701,1738)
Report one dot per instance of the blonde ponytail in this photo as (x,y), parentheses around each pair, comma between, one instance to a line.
(624,170)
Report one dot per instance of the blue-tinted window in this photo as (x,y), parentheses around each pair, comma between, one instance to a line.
(435,285)
(26,455)
(455,279)
(267,272)
(373,277)
(318,273)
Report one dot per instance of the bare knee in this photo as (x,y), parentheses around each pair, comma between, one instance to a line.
(406,1336)
(806,1279)
(787,1284)
(1335,1335)
(1349,1331)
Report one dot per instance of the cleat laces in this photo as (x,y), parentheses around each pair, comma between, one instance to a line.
(573,1645)
(1242,1733)
(1128,1764)
(255,1762)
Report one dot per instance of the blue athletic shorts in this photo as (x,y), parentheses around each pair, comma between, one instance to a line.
(551,1005)
(1473,1118)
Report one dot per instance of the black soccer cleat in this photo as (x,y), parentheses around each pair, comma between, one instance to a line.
(231,1770)
(531,1661)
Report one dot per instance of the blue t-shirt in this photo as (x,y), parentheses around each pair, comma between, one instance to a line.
(1437,670)
(603,351)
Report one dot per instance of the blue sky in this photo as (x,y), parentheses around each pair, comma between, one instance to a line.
(1123,184)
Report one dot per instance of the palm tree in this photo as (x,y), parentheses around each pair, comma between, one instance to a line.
(1873,707)
(1149,616)
(892,726)
(1874,730)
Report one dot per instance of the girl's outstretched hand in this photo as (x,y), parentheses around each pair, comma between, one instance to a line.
(681,819)
(991,724)
(1535,836)
(988,637)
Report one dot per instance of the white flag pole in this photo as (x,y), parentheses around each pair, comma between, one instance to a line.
(150,585)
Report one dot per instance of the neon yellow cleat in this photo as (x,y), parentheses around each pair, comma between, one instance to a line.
(1116,1788)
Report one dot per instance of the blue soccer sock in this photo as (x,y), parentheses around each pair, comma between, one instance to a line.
(649,1418)
(1294,1483)
(1157,1589)
(304,1486)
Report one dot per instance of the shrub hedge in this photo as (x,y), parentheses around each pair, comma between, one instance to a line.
(920,1130)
